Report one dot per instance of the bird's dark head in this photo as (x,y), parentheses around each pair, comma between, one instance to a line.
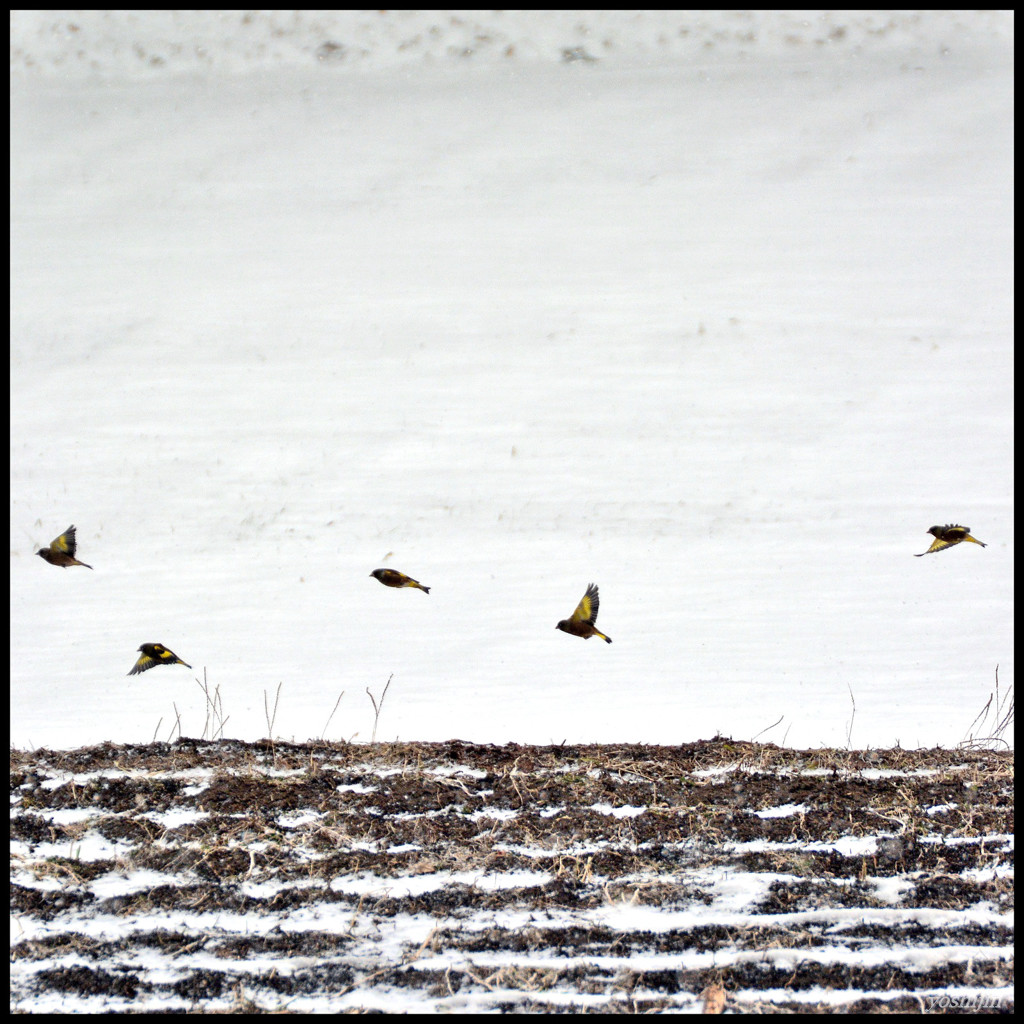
(376,574)
(936,530)
(41,553)
(562,625)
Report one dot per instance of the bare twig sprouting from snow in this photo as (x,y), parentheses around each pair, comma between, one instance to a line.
(176,728)
(271,718)
(978,719)
(767,728)
(1004,710)
(213,727)
(377,707)
(853,715)
(992,721)
(331,715)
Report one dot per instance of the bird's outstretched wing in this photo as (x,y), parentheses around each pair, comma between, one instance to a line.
(153,655)
(586,610)
(65,543)
(949,535)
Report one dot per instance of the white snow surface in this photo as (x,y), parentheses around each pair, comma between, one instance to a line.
(713,309)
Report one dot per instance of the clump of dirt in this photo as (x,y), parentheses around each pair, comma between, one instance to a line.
(468,877)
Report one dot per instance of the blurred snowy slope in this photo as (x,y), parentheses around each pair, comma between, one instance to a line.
(125,44)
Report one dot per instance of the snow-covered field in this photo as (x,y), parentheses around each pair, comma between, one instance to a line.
(711,309)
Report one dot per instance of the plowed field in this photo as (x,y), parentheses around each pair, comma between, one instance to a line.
(464,878)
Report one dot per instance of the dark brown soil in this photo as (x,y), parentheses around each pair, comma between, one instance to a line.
(467,878)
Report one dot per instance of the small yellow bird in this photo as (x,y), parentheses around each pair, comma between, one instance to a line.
(947,536)
(393,578)
(153,655)
(62,550)
(583,619)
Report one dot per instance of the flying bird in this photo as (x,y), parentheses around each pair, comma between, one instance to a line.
(62,550)
(393,578)
(583,619)
(153,655)
(947,536)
